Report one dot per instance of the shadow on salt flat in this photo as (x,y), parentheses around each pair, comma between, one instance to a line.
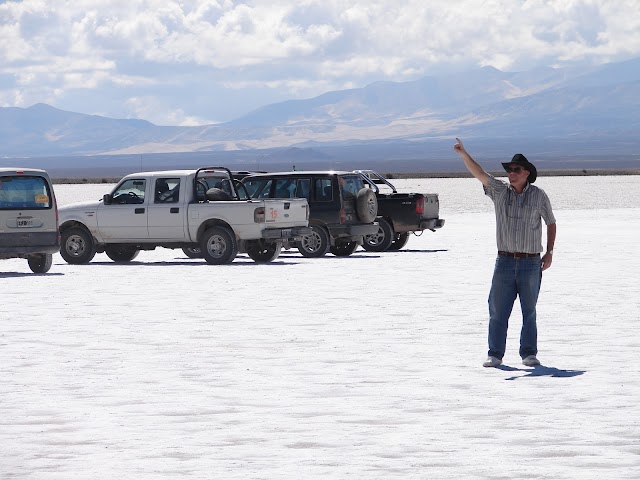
(416,251)
(29,274)
(180,262)
(541,371)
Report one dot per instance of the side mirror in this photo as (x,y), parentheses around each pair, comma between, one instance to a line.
(107,199)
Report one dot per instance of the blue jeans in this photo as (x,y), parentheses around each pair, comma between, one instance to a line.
(514,277)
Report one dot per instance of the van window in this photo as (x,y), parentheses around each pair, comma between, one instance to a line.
(323,190)
(28,192)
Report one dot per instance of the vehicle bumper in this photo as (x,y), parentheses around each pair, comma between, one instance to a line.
(13,245)
(353,231)
(431,224)
(292,233)
(22,252)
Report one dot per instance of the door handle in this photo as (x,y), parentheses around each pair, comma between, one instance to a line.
(139,210)
(174,210)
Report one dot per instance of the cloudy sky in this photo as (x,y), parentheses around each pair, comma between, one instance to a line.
(196,62)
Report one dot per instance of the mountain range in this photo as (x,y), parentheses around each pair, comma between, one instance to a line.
(565,117)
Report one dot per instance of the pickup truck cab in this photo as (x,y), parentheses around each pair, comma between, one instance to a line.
(342,210)
(28,217)
(399,214)
(199,211)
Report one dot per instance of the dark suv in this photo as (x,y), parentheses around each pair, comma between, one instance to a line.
(341,209)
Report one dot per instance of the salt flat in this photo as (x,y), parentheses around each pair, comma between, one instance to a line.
(361,367)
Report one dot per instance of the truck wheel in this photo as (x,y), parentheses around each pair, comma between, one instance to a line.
(367,205)
(121,254)
(77,246)
(316,244)
(382,240)
(40,263)
(400,241)
(192,252)
(218,246)
(263,252)
(343,248)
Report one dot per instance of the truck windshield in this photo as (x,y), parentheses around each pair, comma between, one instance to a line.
(130,191)
(29,192)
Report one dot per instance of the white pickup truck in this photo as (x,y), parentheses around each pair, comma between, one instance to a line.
(199,211)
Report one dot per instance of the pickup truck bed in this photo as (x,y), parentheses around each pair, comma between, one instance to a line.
(400,214)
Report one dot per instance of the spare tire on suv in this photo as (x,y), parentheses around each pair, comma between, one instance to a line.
(367,205)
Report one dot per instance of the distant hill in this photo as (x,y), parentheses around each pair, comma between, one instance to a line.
(557,115)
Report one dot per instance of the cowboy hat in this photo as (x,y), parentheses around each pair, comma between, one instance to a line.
(521,160)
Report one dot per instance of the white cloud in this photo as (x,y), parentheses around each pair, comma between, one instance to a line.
(302,47)
(151,108)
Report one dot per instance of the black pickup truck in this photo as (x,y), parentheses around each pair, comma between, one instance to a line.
(399,214)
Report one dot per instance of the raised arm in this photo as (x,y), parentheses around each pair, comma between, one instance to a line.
(473,167)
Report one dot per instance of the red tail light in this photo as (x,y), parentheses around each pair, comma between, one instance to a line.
(343,216)
(420,206)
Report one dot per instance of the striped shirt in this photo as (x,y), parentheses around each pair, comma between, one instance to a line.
(518,225)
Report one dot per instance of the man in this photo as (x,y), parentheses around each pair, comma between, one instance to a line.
(519,208)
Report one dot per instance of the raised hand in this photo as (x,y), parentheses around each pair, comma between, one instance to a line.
(473,167)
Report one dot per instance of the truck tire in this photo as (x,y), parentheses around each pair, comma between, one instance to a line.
(40,263)
(219,246)
(316,244)
(121,254)
(367,205)
(343,248)
(382,240)
(400,241)
(192,252)
(77,246)
(263,252)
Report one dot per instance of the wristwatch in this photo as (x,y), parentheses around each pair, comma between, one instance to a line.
(550,252)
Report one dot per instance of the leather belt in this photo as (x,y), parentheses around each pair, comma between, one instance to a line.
(517,254)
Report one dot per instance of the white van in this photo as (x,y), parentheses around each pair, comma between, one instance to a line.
(28,217)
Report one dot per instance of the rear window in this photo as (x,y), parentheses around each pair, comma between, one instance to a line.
(219,181)
(351,185)
(24,191)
